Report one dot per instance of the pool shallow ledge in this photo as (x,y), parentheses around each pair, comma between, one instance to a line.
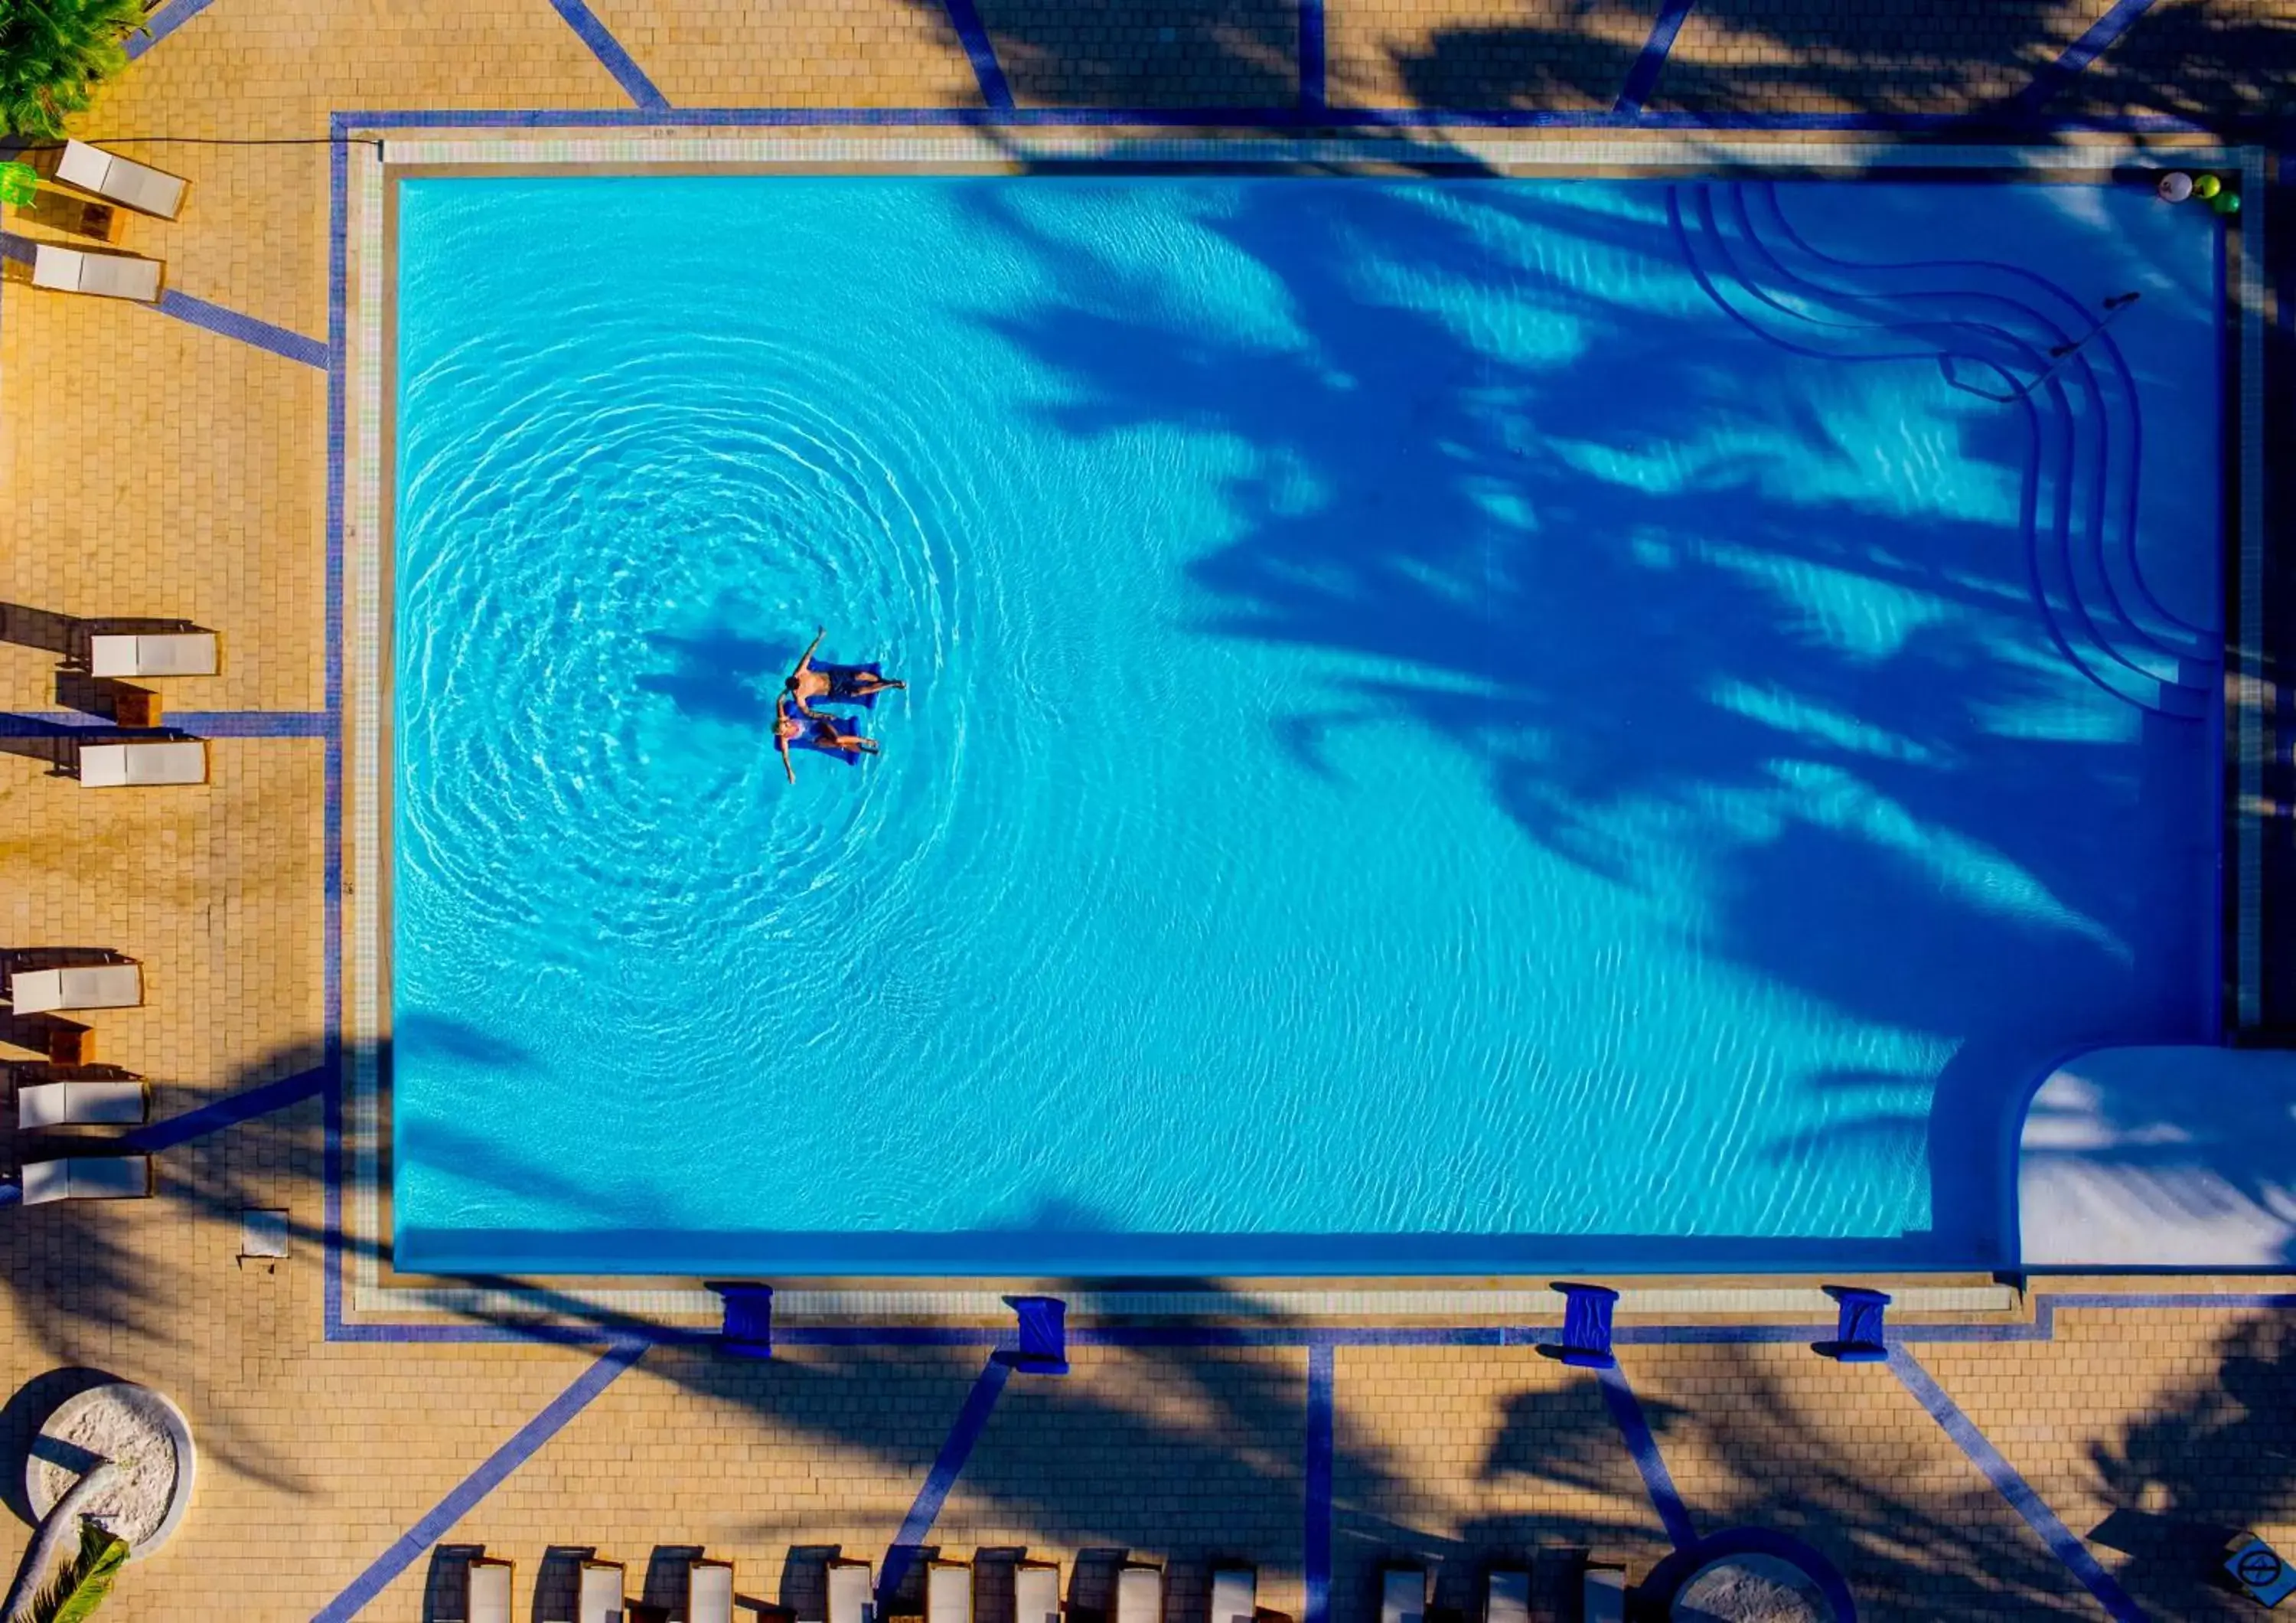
(1007,1253)
(2172,1157)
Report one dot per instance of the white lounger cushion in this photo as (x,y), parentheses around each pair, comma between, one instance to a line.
(1508,1600)
(127,1177)
(123,180)
(1140,1594)
(113,275)
(949,1593)
(1235,1594)
(144,764)
(709,1592)
(601,1593)
(490,1592)
(849,1597)
(80,986)
(152,654)
(82,1104)
(1037,1593)
(1402,1595)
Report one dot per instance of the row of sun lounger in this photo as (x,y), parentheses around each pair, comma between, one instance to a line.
(128,185)
(849,1593)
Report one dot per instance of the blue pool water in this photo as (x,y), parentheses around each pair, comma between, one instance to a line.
(1451,726)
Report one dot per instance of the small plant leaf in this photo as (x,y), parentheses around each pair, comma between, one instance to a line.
(81,1585)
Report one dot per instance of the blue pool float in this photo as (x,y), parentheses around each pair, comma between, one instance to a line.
(811,739)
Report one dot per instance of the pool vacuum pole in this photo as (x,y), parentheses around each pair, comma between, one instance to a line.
(2059,354)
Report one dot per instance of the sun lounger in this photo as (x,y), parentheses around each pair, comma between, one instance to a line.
(127,1177)
(601,1597)
(83,1104)
(486,1594)
(850,1596)
(1858,1336)
(108,276)
(1139,1593)
(1402,1594)
(1586,1342)
(144,764)
(1037,1591)
(1235,1594)
(949,1592)
(1603,1594)
(151,653)
(708,1591)
(1506,1595)
(122,180)
(76,987)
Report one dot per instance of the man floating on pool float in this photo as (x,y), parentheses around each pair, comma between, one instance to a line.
(812,730)
(852,683)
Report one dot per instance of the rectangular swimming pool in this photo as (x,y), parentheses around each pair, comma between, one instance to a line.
(1465,726)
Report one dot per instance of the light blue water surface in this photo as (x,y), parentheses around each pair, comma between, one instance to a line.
(1462,725)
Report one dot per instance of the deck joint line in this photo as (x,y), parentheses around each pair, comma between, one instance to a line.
(1314,57)
(1315,1482)
(981,51)
(610,54)
(163,24)
(971,1421)
(2051,81)
(1642,1443)
(1642,79)
(2011,1485)
(492,1474)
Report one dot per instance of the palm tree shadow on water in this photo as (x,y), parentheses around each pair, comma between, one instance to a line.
(1662,567)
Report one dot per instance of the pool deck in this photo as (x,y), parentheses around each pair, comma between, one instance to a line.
(2073,1452)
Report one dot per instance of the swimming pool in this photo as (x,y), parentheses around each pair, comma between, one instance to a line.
(1453,726)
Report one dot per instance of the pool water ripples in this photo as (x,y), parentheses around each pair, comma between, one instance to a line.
(1382,784)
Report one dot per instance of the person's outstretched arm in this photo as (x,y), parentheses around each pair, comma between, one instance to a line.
(782,744)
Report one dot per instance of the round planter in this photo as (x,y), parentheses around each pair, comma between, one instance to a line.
(1751,1587)
(124,1422)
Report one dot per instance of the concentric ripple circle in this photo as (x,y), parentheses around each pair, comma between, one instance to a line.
(1426,747)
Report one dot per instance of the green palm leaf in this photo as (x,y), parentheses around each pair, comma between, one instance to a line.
(81,1586)
(54,53)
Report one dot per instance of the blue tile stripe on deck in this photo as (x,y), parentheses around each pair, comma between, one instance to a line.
(247,329)
(1642,79)
(2014,1488)
(168,18)
(981,52)
(972,1419)
(474,1488)
(1634,1427)
(229,1111)
(1313,55)
(1316,1473)
(2050,81)
(207,724)
(609,53)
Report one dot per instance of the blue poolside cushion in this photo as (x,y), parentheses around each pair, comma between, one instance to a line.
(841,677)
(748,1330)
(1858,1337)
(1044,1349)
(1586,1342)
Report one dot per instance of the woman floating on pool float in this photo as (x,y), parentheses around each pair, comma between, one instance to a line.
(824,733)
(850,684)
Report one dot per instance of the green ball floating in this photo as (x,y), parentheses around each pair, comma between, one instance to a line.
(2225,202)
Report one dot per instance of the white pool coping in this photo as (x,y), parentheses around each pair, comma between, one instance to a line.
(369,166)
